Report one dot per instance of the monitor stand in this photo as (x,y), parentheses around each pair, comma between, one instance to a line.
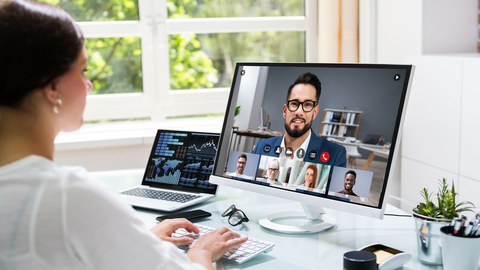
(312,219)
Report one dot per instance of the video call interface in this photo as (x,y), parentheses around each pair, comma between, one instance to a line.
(183,159)
(359,110)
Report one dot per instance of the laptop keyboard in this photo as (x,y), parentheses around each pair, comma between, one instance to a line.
(239,254)
(160,195)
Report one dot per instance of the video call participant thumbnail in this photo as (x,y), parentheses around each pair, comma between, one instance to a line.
(299,142)
(273,170)
(242,165)
(352,184)
(311,175)
(312,178)
(349,183)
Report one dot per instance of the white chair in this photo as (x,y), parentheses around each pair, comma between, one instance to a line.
(352,155)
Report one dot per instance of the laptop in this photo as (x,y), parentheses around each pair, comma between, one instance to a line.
(178,171)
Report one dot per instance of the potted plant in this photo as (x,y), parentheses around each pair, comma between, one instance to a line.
(430,215)
(237,112)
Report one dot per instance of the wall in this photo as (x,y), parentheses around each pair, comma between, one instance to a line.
(449,26)
(441,129)
(441,124)
(416,27)
(399,31)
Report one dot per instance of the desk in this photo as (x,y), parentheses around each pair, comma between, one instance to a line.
(256,134)
(312,251)
(375,150)
(357,143)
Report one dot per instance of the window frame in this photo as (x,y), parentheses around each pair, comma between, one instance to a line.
(158,101)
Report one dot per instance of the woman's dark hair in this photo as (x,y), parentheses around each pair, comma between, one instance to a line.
(38,43)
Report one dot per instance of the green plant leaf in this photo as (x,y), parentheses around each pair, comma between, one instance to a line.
(447,206)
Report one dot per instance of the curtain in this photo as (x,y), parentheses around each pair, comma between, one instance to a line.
(338,27)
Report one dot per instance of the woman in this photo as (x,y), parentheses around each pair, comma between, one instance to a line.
(311,174)
(273,170)
(55,217)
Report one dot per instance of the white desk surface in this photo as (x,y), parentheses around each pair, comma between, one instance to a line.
(322,250)
(357,143)
(377,151)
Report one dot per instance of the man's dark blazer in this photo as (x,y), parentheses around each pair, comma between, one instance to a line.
(316,147)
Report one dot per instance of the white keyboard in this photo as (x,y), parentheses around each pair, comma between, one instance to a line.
(240,254)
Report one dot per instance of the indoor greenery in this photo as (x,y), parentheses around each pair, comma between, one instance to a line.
(446,205)
(237,110)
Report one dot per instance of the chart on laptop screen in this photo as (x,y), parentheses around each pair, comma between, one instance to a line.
(183,159)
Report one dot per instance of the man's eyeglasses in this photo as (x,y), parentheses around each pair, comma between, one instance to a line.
(307,105)
(235,216)
(273,169)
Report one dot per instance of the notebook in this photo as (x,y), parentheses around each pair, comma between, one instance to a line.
(178,171)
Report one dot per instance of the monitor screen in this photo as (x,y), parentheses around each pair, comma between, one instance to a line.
(321,134)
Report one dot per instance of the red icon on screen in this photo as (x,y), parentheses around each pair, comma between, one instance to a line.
(324,157)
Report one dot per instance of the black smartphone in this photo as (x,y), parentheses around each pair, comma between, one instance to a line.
(190,215)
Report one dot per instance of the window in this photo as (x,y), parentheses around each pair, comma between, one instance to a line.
(152,59)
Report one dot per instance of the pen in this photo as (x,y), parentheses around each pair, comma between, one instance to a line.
(457,226)
(455,220)
(464,220)
(476,230)
(477,219)
(452,223)
(468,229)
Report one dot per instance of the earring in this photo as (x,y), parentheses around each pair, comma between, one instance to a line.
(55,108)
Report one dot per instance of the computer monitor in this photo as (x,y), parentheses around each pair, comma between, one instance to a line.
(288,142)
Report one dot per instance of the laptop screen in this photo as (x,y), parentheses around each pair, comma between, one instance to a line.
(182,160)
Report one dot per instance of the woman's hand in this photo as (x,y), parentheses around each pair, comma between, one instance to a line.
(165,229)
(208,248)
(216,243)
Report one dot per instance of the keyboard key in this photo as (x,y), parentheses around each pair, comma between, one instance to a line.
(240,254)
